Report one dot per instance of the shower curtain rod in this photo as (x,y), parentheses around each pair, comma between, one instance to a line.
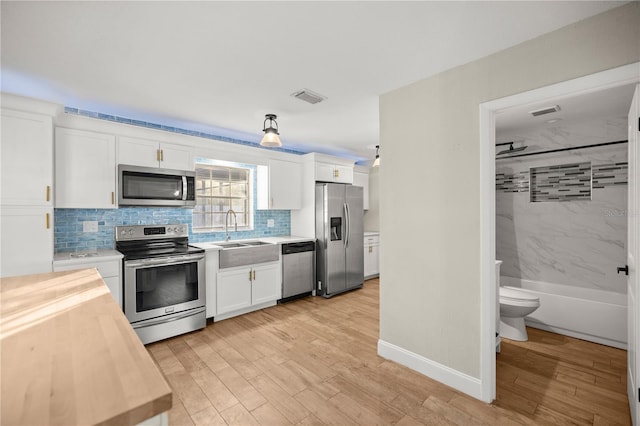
(562,149)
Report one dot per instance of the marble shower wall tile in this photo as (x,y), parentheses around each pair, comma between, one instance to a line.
(579,242)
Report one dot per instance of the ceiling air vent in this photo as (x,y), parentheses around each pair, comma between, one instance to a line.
(545,110)
(308,96)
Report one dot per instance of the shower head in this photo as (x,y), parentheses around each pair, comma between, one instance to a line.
(511,149)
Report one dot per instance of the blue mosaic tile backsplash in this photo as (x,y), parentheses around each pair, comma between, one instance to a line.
(70,238)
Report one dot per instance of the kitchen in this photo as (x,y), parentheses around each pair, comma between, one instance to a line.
(453,346)
(104,199)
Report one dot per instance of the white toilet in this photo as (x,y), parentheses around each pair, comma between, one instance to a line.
(515,304)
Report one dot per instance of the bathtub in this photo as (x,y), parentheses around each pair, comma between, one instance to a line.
(594,315)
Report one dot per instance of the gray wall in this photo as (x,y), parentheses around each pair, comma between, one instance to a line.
(429,180)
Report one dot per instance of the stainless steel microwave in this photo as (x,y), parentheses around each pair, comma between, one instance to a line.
(151,186)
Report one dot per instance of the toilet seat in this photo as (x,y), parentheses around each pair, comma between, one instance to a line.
(514,297)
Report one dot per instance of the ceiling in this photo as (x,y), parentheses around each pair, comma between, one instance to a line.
(219,67)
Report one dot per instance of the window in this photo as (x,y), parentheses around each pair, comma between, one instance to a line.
(218,189)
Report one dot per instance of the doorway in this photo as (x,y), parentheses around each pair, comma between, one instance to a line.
(617,77)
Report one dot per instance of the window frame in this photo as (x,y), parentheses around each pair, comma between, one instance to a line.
(228,200)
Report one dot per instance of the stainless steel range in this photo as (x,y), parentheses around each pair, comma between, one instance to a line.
(164,284)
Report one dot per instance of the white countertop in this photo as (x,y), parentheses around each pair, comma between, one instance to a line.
(91,256)
(212,245)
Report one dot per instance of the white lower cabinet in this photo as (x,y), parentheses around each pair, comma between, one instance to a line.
(371,256)
(27,240)
(109,270)
(243,288)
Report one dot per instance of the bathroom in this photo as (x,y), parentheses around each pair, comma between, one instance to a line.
(561,216)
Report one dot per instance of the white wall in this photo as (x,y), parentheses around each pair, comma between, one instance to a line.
(429,182)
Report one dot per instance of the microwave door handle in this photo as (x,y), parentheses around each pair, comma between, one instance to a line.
(184,188)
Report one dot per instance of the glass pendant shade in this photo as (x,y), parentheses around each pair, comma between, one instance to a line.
(270,138)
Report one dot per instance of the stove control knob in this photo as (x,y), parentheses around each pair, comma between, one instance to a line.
(130,231)
(123,232)
(181,229)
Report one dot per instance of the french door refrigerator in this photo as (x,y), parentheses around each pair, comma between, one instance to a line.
(340,235)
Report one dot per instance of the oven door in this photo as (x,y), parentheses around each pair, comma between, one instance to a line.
(158,287)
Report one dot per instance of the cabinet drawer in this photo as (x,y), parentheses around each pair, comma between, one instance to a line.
(372,240)
(106,269)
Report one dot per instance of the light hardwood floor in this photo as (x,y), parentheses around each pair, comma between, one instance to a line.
(313,361)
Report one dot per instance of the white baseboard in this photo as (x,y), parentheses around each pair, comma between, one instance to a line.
(434,370)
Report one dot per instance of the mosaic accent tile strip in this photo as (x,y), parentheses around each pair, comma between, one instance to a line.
(564,182)
(124,120)
(512,182)
(612,174)
(69,237)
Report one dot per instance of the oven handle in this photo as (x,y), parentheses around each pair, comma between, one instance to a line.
(163,320)
(164,261)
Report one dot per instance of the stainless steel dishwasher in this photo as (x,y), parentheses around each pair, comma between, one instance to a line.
(298,263)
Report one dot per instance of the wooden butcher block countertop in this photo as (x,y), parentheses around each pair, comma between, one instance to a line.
(70,357)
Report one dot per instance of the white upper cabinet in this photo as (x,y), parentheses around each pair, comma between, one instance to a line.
(150,153)
(27,158)
(361,178)
(280,186)
(85,169)
(327,172)
(328,168)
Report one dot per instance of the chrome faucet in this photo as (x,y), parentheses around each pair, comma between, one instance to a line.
(226,223)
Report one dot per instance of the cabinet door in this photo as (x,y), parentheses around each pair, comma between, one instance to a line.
(108,270)
(27,240)
(371,256)
(325,172)
(85,170)
(285,184)
(362,179)
(343,174)
(138,152)
(266,285)
(176,157)
(233,290)
(27,159)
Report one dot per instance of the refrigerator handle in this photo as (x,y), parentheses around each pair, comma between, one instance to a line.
(347,215)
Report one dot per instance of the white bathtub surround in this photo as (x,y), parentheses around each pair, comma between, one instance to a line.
(594,315)
(574,243)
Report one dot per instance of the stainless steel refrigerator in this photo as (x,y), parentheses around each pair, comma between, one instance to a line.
(340,235)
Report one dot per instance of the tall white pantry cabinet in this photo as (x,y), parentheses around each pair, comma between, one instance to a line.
(26,197)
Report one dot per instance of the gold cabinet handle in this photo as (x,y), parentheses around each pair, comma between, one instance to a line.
(158,155)
(249,275)
(113,197)
(254,275)
(46,216)
(48,193)
(162,155)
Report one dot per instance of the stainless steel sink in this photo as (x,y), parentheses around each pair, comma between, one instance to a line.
(246,253)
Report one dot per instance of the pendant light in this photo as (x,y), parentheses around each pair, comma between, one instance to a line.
(376,162)
(270,138)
